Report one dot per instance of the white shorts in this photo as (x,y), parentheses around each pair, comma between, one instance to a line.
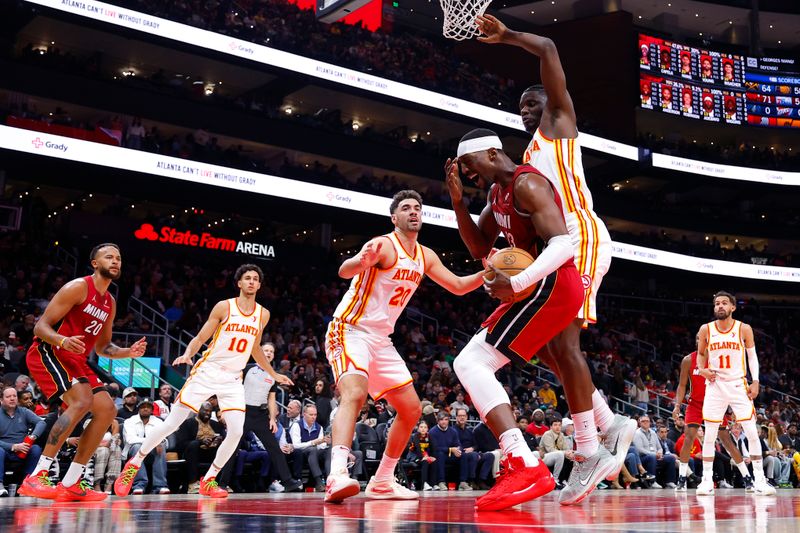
(593,250)
(351,351)
(721,394)
(208,382)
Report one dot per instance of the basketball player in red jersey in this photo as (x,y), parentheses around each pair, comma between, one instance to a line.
(525,207)
(555,150)
(57,361)
(694,419)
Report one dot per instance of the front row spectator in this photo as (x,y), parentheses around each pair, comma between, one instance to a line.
(198,438)
(16,423)
(135,429)
(309,442)
(107,458)
(446,448)
(651,453)
(469,457)
(251,450)
(418,455)
(554,451)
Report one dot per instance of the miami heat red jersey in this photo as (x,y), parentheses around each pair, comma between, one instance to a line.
(516,226)
(698,391)
(87,319)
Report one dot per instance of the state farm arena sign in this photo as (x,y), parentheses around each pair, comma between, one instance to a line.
(175,237)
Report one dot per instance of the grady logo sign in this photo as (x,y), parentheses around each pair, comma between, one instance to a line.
(38,143)
(170,235)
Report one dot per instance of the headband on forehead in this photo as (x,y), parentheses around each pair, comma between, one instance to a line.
(479,144)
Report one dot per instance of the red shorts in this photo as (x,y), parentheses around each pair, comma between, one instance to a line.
(56,375)
(520,329)
(694,415)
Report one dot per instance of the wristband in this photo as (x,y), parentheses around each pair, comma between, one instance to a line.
(61,344)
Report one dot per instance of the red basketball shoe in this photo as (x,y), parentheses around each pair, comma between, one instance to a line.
(210,487)
(123,483)
(516,484)
(38,485)
(79,492)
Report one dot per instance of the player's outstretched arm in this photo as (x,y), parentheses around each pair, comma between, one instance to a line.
(261,359)
(218,315)
(551,71)
(680,392)
(374,252)
(67,297)
(479,238)
(106,348)
(444,277)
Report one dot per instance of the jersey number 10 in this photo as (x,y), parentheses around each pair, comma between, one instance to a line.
(724,361)
(239,345)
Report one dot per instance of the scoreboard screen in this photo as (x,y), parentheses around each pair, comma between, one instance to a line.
(692,100)
(718,87)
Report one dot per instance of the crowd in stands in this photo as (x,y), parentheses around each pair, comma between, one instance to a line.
(405,56)
(446,449)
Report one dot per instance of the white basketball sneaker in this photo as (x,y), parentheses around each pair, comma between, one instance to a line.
(705,488)
(388,490)
(339,486)
(762,488)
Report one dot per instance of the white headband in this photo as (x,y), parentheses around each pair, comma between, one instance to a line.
(479,144)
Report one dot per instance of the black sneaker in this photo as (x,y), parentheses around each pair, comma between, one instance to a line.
(293,485)
(748,484)
(681,487)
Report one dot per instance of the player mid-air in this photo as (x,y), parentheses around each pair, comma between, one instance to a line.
(554,150)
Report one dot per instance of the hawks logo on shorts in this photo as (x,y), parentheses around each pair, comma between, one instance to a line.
(560,161)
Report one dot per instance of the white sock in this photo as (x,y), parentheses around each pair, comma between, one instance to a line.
(339,455)
(513,443)
(683,469)
(708,471)
(213,470)
(743,469)
(73,474)
(758,470)
(385,472)
(138,458)
(585,433)
(44,464)
(603,415)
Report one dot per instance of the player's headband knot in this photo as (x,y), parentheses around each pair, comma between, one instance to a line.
(479,144)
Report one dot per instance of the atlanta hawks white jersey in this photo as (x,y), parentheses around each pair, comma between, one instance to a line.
(233,341)
(377,297)
(726,353)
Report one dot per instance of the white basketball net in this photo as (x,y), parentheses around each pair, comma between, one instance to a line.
(459,18)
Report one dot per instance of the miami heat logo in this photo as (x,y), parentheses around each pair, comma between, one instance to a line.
(587,281)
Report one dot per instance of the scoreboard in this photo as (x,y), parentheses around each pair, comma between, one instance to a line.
(718,87)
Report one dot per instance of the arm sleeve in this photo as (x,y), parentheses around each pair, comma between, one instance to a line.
(558,251)
(752,362)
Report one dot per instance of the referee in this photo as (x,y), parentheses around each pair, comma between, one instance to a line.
(259,391)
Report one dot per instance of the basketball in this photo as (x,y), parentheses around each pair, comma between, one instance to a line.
(512,261)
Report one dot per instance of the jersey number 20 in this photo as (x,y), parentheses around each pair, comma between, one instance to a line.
(94,328)
(399,297)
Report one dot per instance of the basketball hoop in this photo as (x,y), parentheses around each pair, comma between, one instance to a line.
(460,18)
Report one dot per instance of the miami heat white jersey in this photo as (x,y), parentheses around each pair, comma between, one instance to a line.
(726,352)
(560,161)
(233,341)
(376,297)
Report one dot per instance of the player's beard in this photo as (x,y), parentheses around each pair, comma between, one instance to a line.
(106,273)
(723,315)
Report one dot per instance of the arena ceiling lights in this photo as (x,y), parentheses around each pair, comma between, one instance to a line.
(224,44)
(70,149)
